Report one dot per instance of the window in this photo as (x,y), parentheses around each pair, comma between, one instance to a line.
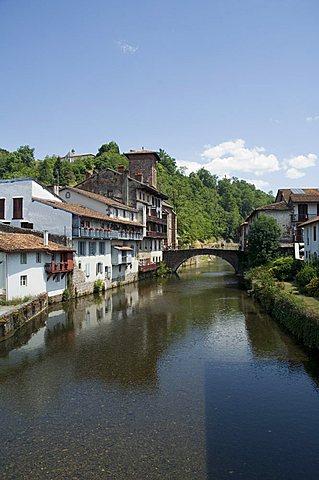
(99,268)
(23,258)
(38,257)
(92,248)
(17,208)
(102,248)
(107,273)
(116,212)
(314,233)
(26,225)
(2,208)
(302,212)
(82,249)
(68,195)
(87,269)
(23,280)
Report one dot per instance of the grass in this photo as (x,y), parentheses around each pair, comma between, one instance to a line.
(15,301)
(310,302)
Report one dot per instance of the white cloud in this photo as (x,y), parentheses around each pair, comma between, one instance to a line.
(126,48)
(312,119)
(303,161)
(258,183)
(234,156)
(293,173)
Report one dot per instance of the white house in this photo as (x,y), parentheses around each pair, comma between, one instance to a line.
(311,238)
(94,233)
(31,265)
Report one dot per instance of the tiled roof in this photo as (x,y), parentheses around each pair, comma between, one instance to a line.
(306,198)
(142,185)
(85,212)
(308,222)
(274,206)
(18,242)
(309,195)
(99,198)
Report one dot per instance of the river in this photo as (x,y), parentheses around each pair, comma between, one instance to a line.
(181,378)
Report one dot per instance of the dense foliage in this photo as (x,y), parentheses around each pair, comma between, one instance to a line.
(283,304)
(208,208)
(263,241)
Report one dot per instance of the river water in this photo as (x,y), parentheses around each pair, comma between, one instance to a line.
(181,378)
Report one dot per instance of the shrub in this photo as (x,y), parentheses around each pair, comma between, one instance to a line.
(305,275)
(312,288)
(98,286)
(285,268)
(162,270)
(66,295)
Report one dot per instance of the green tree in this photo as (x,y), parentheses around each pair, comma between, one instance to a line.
(263,241)
(109,156)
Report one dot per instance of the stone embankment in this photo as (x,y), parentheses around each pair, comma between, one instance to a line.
(17,316)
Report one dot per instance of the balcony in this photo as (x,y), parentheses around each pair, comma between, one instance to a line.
(303,217)
(149,267)
(154,219)
(105,234)
(152,234)
(59,267)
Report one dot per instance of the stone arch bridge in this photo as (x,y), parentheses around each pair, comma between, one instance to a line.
(174,258)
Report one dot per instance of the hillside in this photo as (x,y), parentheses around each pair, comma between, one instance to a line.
(208,207)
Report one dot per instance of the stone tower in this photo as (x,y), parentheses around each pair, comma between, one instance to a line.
(142,166)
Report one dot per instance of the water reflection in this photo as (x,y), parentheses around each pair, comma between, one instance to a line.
(173,379)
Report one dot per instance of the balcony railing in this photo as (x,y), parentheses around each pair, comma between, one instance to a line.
(59,267)
(303,217)
(152,234)
(148,267)
(154,219)
(100,233)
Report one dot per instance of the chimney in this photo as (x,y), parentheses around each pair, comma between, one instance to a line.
(121,168)
(87,175)
(56,190)
(45,238)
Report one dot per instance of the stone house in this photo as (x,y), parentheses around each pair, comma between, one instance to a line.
(137,188)
(281,212)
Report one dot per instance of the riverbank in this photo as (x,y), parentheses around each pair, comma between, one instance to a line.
(15,317)
(282,301)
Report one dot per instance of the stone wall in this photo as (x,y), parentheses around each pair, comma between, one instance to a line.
(21,314)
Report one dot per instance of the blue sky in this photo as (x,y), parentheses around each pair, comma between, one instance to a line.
(228,84)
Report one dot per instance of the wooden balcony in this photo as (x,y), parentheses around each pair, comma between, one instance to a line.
(149,267)
(59,267)
(154,219)
(152,234)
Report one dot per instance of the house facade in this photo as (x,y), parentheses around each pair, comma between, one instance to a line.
(311,238)
(31,265)
(136,187)
(93,235)
(304,204)
(280,211)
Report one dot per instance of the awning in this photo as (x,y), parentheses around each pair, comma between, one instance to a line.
(122,248)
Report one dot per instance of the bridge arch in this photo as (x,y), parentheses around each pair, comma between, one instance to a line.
(174,258)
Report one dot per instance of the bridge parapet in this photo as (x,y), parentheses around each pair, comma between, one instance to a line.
(174,258)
